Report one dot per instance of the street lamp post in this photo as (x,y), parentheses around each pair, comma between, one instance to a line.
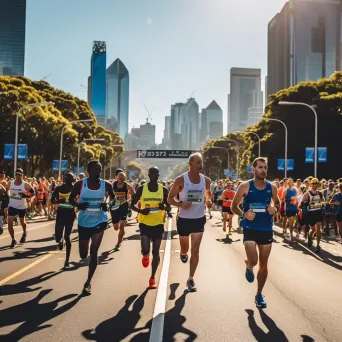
(61,146)
(79,150)
(225,149)
(259,152)
(285,157)
(237,155)
(286,103)
(30,105)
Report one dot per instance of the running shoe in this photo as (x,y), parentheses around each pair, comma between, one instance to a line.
(145,260)
(249,275)
(86,289)
(309,242)
(23,238)
(318,249)
(191,285)
(292,239)
(14,242)
(117,247)
(184,258)
(66,265)
(60,245)
(260,301)
(129,214)
(152,284)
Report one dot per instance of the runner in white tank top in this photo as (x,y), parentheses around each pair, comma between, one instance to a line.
(194,194)
(17,206)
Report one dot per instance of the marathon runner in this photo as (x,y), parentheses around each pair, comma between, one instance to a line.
(313,201)
(92,219)
(3,192)
(227,199)
(192,187)
(65,215)
(40,196)
(4,196)
(153,203)
(329,209)
(337,200)
(18,204)
(257,223)
(120,208)
(290,197)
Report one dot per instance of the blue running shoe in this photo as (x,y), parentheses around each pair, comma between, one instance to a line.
(260,301)
(249,275)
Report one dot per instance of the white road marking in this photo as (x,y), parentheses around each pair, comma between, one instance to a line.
(157,328)
(28,230)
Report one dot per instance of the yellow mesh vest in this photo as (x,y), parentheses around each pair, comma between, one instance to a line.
(151,200)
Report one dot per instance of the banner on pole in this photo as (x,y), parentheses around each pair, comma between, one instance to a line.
(55,165)
(281,164)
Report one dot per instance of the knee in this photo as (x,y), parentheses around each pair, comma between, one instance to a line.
(263,266)
(252,262)
(195,252)
(155,254)
(116,226)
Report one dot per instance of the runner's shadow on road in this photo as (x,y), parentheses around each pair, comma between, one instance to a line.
(273,334)
(227,240)
(47,239)
(122,325)
(25,286)
(29,253)
(32,315)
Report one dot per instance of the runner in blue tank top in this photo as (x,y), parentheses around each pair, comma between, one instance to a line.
(291,209)
(92,219)
(260,203)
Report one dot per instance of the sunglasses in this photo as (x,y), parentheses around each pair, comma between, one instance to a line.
(18,174)
(314,183)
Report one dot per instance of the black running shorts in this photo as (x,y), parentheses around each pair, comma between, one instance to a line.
(186,226)
(119,214)
(291,213)
(86,233)
(227,210)
(153,232)
(339,217)
(14,212)
(260,237)
(314,217)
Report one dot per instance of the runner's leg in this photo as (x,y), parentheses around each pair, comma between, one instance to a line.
(96,240)
(264,253)
(145,245)
(196,239)
(68,229)
(251,254)
(156,256)
(121,231)
(184,242)
(10,226)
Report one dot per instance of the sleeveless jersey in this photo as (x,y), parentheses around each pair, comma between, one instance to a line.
(93,215)
(120,195)
(227,198)
(315,201)
(328,209)
(258,201)
(338,198)
(15,200)
(40,194)
(291,199)
(193,193)
(152,200)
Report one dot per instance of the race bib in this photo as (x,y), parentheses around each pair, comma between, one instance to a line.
(315,205)
(258,207)
(195,196)
(154,209)
(120,196)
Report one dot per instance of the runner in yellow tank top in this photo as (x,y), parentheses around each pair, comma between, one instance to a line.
(153,200)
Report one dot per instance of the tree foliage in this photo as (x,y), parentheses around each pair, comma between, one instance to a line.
(326,94)
(40,127)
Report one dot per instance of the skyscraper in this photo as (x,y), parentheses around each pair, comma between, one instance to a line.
(211,122)
(97,91)
(118,96)
(245,93)
(12,37)
(304,43)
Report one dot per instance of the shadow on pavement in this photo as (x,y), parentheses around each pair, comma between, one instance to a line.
(173,323)
(29,253)
(47,239)
(32,315)
(227,240)
(273,334)
(24,286)
(120,326)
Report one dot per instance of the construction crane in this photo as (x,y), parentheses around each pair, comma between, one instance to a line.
(149,114)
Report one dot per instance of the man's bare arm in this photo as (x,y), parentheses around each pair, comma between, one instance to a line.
(304,200)
(207,189)
(29,188)
(275,198)
(239,195)
(136,198)
(176,188)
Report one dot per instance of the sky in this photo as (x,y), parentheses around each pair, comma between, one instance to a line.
(172,48)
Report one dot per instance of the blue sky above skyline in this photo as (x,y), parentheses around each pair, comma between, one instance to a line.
(169,47)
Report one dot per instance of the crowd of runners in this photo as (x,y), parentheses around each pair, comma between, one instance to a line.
(310,207)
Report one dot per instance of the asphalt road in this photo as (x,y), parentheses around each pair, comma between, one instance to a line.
(40,302)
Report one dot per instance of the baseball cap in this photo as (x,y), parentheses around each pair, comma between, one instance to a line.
(118,171)
(20,171)
(314,181)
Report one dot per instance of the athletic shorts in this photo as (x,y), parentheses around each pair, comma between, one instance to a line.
(86,233)
(186,226)
(153,232)
(260,237)
(291,213)
(4,203)
(119,214)
(314,217)
(14,212)
(227,210)
(41,201)
(339,217)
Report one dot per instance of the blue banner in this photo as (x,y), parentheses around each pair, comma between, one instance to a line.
(322,154)
(229,173)
(281,164)
(78,172)
(55,165)
(9,152)
(309,155)
(249,169)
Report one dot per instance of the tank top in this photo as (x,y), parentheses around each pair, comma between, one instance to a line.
(15,200)
(291,199)
(120,195)
(327,199)
(93,215)
(193,193)
(152,200)
(315,201)
(40,194)
(338,198)
(228,198)
(258,201)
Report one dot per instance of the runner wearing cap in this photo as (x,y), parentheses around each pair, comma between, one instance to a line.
(227,199)
(17,203)
(337,201)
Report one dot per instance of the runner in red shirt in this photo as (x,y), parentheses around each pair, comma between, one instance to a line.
(227,199)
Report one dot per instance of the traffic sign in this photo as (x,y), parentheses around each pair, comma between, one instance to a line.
(281,164)
(9,152)
(55,165)
(322,154)
(309,155)
(163,153)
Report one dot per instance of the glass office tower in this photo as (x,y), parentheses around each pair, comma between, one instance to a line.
(12,37)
